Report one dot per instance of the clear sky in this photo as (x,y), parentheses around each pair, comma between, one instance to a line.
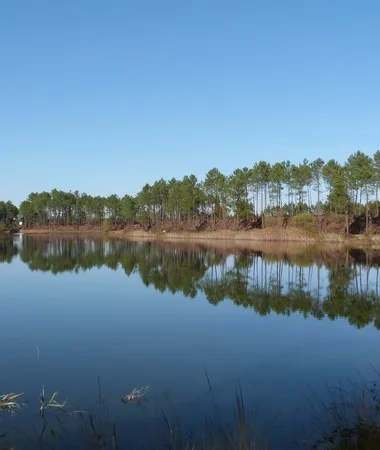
(103,96)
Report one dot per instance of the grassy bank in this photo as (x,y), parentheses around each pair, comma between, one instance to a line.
(257,238)
(263,235)
(267,235)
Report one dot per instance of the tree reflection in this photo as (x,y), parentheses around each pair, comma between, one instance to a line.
(7,250)
(336,285)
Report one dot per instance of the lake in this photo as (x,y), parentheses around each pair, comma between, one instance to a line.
(197,324)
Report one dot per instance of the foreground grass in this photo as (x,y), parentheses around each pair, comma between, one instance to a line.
(348,420)
(59,427)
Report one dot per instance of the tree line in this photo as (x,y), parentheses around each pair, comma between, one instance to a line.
(283,188)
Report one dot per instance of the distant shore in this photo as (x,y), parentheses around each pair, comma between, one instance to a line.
(267,235)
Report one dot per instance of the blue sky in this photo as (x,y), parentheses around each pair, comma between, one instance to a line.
(105,96)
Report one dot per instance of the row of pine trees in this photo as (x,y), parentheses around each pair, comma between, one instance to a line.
(283,188)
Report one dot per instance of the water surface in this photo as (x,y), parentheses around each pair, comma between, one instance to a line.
(279,322)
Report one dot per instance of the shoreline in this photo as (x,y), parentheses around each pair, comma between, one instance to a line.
(257,236)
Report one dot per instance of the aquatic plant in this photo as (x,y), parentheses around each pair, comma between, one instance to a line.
(10,402)
(52,403)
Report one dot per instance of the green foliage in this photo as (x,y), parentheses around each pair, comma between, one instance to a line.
(278,177)
(360,169)
(259,177)
(215,190)
(300,178)
(8,214)
(190,196)
(113,209)
(317,177)
(128,208)
(337,178)
(238,192)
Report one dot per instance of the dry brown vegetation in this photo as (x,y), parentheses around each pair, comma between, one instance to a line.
(299,228)
(235,239)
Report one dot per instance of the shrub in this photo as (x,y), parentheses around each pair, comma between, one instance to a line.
(304,221)
(273,222)
(106,226)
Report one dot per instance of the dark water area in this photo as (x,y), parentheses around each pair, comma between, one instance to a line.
(94,318)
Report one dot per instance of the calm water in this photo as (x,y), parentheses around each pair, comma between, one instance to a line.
(75,310)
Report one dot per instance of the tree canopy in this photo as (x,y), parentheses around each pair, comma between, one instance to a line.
(282,188)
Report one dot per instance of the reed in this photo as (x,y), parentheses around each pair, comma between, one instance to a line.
(81,429)
(348,420)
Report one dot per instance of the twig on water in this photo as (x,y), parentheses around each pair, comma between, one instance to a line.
(136,395)
(51,403)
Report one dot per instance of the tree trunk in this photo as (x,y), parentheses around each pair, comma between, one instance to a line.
(318,196)
(366,209)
